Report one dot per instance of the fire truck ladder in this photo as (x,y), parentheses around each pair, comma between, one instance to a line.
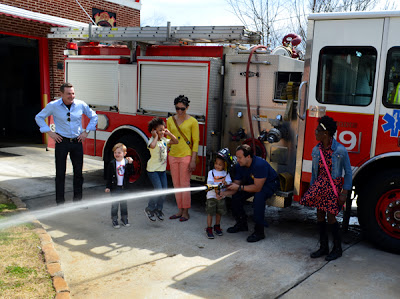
(168,34)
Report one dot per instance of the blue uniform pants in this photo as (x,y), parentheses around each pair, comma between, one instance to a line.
(238,200)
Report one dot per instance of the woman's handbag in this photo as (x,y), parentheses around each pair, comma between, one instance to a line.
(185,138)
(329,174)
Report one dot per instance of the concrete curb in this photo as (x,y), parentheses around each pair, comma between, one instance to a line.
(51,257)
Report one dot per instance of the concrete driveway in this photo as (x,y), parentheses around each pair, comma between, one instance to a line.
(176,260)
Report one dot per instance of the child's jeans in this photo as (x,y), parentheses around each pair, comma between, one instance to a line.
(116,204)
(159,181)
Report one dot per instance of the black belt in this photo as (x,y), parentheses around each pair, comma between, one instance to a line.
(69,140)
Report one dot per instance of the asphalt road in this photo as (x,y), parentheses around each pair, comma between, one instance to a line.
(176,260)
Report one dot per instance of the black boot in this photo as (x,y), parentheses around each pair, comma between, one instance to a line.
(257,235)
(240,226)
(337,243)
(323,241)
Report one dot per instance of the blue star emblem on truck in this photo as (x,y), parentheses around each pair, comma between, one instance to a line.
(392,123)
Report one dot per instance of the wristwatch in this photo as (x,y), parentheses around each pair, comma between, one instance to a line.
(87,131)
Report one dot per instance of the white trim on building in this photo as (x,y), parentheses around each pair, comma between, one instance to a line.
(39,17)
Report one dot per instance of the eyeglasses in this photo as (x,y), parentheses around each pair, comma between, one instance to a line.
(180,108)
(68,114)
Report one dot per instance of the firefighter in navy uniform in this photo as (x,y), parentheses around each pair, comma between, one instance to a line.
(253,177)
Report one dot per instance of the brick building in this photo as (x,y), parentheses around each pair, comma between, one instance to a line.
(33,65)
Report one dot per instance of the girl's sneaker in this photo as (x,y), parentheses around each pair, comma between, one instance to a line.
(149,214)
(115,224)
(125,222)
(218,230)
(159,214)
(209,233)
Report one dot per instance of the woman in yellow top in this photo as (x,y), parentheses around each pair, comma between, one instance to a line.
(182,156)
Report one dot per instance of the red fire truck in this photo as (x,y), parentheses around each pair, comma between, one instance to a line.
(351,72)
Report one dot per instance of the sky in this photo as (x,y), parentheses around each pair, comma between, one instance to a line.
(189,13)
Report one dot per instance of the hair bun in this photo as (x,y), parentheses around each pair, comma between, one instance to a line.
(182,99)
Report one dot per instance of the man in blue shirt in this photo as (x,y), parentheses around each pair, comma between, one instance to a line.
(253,177)
(68,136)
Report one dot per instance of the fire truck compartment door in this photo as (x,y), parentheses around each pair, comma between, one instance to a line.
(95,82)
(161,82)
(127,88)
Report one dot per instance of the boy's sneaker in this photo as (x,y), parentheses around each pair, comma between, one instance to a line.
(125,222)
(159,214)
(149,214)
(115,224)
(218,230)
(209,233)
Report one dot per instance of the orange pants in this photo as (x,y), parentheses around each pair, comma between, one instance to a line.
(180,174)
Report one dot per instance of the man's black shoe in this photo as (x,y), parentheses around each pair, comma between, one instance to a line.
(238,227)
(255,237)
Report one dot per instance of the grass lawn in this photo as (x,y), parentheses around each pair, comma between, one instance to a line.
(23,272)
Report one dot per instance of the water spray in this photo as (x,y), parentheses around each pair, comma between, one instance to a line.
(30,216)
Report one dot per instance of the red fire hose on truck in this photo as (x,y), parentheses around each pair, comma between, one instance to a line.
(247,96)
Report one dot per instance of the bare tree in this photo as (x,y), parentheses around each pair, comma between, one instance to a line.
(275,18)
(389,5)
(301,9)
(341,5)
(259,15)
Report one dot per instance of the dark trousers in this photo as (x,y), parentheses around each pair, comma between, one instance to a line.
(75,151)
(238,200)
(116,204)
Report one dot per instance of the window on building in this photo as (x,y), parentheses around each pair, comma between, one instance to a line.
(391,92)
(346,75)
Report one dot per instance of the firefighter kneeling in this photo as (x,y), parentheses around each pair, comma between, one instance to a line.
(253,177)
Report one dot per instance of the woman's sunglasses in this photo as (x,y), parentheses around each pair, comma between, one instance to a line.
(180,108)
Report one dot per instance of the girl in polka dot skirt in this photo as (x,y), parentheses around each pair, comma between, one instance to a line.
(325,177)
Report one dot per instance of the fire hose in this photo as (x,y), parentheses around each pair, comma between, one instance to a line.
(247,96)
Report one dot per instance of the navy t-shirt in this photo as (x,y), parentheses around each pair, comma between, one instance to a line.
(258,169)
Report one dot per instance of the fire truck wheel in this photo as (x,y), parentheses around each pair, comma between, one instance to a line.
(379,210)
(137,150)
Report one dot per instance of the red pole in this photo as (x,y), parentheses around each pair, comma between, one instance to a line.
(44,68)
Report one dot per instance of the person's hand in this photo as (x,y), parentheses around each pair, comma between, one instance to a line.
(233,187)
(342,198)
(53,135)
(107,190)
(192,165)
(219,196)
(154,133)
(83,136)
(130,160)
(167,132)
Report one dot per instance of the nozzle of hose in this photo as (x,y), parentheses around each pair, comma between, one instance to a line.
(215,187)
